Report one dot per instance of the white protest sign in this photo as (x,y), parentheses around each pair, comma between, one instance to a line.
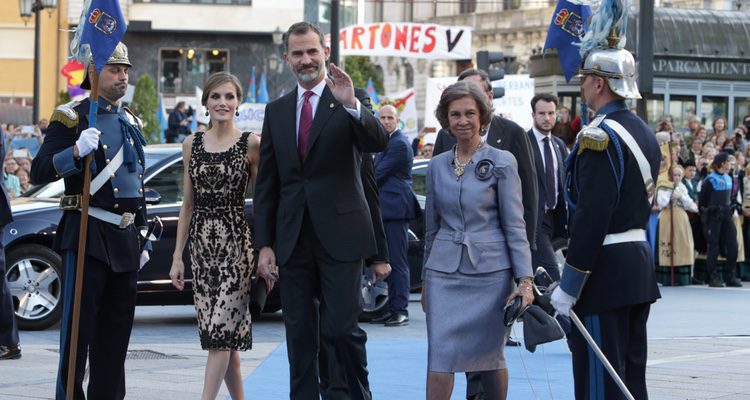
(401,39)
(515,105)
(251,117)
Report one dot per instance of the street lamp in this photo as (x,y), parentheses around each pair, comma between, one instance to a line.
(277,36)
(27,8)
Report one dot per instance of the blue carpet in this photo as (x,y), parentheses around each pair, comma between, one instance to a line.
(398,371)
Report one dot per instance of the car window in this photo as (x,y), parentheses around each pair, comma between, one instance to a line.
(57,188)
(168,182)
(418,173)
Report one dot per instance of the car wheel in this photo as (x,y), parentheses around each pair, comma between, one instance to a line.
(374,297)
(35,283)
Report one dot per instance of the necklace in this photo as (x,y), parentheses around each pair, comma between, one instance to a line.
(458,167)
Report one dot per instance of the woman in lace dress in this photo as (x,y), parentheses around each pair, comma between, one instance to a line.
(219,164)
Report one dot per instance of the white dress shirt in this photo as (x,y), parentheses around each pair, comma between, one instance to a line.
(540,142)
(315,99)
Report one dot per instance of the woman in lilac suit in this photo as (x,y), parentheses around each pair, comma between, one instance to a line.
(475,247)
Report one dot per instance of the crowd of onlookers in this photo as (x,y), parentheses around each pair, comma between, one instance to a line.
(21,145)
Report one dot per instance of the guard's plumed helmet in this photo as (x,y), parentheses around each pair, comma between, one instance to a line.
(617,66)
(603,49)
(119,56)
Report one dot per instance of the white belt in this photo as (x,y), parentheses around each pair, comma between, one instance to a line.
(122,221)
(633,235)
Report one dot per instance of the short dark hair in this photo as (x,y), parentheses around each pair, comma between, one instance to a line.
(472,72)
(460,90)
(548,97)
(301,28)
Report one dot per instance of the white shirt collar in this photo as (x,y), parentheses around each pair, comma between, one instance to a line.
(318,90)
(539,135)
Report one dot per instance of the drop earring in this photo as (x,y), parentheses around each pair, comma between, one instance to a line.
(207,113)
(237,112)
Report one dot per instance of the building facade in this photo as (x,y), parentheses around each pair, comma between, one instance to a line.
(17,61)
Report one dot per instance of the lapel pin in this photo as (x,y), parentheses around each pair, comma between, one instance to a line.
(498,140)
(331,105)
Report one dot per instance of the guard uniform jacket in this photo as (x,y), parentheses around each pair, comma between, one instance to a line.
(123,191)
(607,195)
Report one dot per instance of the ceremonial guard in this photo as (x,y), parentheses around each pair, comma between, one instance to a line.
(608,276)
(116,216)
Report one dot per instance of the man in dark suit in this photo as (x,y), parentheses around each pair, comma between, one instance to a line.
(399,206)
(9,346)
(117,213)
(504,134)
(550,154)
(312,217)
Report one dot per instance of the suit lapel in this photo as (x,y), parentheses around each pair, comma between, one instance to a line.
(495,137)
(289,125)
(537,155)
(326,107)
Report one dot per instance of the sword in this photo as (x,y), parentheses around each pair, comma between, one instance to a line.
(601,356)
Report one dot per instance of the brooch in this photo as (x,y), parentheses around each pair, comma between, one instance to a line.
(484,169)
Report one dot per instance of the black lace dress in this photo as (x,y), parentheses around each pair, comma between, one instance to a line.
(221,246)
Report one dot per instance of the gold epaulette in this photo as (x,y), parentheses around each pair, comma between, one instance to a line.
(592,137)
(66,114)
(134,120)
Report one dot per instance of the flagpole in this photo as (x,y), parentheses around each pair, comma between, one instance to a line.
(82,234)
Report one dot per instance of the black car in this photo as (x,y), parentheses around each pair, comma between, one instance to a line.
(34,270)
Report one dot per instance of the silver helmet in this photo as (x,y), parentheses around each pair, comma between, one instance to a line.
(617,66)
(119,56)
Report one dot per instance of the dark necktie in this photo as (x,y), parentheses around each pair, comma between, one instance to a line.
(305,125)
(549,174)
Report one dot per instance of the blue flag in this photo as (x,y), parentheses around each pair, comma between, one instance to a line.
(250,97)
(262,90)
(103,29)
(568,25)
(371,92)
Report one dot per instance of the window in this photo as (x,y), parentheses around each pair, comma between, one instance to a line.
(230,2)
(680,108)
(168,183)
(184,69)
(655,109)
(467,6)
(711,108)
(741,109)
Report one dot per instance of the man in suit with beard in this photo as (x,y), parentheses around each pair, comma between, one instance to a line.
(550,154)
(312,218)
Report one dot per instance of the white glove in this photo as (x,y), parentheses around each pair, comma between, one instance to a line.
(88,141)
(562,301)
(144,259)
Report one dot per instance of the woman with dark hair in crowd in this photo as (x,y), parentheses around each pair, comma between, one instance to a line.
(475,247)
(717,218)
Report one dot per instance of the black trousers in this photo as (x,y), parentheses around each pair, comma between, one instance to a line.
(544,255)
(8,327)
(719,230)
(106,320)
(320,303)
(397,236)
(621,335)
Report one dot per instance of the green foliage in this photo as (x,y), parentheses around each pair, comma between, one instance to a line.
(63,97)
(361,69)
(145,105)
